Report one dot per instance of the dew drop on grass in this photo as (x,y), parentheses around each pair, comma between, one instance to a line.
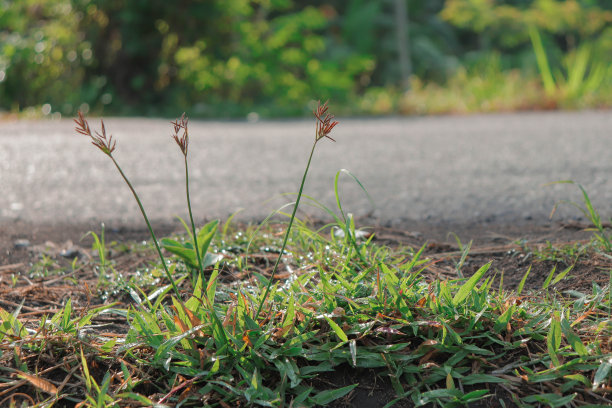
(289,281)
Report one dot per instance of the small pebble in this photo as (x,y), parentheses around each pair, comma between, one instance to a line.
(70,252)
(21,243)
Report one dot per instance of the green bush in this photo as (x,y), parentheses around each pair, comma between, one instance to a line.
(226,58)
(42,57)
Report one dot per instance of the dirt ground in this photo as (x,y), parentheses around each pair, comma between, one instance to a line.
(26,248)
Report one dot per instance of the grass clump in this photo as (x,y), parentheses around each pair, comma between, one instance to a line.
(285,308)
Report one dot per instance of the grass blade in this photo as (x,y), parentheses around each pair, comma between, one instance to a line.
(339,332)
(325,397)
(562,275)
(542,60)
(522,283)
(573,339)
(553,339)
(602,373)
(549,277)
(468,286)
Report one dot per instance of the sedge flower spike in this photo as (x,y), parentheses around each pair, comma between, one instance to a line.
(181,141)
(107,145)
(325,122)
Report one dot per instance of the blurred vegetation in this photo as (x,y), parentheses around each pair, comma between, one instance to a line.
(227,58)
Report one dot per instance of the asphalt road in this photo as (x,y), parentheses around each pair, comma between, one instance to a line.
(455,169)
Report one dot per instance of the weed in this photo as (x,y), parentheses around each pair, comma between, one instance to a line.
(568,254)
(599,231)
(183,143)
(325,124)
(107,146)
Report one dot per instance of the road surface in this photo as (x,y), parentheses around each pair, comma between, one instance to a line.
(453,169)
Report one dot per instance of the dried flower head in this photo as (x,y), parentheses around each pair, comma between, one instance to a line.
(182,141)
(325,122)
(107,145)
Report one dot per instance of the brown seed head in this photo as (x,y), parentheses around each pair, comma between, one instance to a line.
(325,122)
(182,141)
(100,140)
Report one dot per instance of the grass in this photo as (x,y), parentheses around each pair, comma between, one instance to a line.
(286,307)
(584,73)
(442,341)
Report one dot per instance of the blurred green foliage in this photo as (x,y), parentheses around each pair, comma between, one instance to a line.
(42,59)
(231,57)
(567,44)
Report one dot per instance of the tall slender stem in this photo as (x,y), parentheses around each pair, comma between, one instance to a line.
(144,214)
(282,250)
(209,302)
(193,228)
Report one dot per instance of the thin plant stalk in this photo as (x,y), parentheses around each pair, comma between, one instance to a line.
(209,302)
(286,238)
(183,143)
(144,214)
(325,124)
(193,228)
(107,146)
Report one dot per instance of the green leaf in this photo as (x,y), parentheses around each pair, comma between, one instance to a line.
(573,339)
(552,400)
(482,379)
(85,371)
(10,323)
(448,331)
(602,373)
(522,283)
(206,235)
(549,277)
(553,339)
(477,350)
(186,254)
(171,243)
(468,286)
(104,389)
(441,393)
(66,315)
(562,275)
(502,321)
(301,397)
(325,397)
(289,317)
(578,377)
(325,366)
(290,369)
(341,335)
(211,287)
(474,395)
(164,350)
(255,380)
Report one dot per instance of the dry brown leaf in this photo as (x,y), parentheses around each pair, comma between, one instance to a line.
(38,382)
(180,324)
